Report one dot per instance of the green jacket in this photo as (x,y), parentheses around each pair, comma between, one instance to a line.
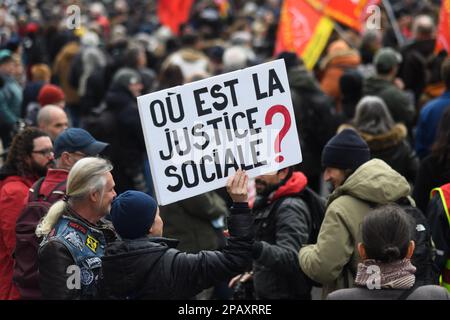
(335,256)
(399,104)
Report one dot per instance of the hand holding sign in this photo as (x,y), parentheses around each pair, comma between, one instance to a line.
(199,134)
(237,186)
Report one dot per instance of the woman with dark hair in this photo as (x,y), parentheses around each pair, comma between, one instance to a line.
(170,76)
(434,170)
(386,272)
(387,140)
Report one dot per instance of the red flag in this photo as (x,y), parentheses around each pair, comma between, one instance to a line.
(302,30)
(173,13)
(443,35)
(352,13)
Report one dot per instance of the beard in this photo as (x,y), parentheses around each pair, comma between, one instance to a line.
(40,170)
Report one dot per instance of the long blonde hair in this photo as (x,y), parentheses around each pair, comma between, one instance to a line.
(86,176)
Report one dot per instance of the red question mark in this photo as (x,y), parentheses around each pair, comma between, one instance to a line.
(287,124)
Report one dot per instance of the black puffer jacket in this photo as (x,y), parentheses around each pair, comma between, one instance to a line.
(150,268)
(282,230)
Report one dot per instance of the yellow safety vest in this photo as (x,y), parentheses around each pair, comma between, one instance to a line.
(444,192)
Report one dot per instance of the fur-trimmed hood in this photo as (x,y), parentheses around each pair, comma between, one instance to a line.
(381,141)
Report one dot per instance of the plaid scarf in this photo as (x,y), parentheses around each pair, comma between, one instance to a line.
(377,275)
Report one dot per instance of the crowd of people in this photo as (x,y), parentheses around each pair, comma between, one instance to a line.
(365,215)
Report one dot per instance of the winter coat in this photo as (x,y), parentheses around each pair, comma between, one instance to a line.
(314,119)
(399,104)
(430,292)
(127,146)
(339,58)
(440,231)
(190,221)
(190,61)
(415,69)
(150,268)
(13,197)
(393,148)
(431,174)
(276,272)
(30,95)
(61,69)
(333,260)
(428,123)
(10,102)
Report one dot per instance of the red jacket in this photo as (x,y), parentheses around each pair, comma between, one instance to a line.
(13,196)
(26,274)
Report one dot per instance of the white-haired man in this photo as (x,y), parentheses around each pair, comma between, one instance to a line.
(75,233)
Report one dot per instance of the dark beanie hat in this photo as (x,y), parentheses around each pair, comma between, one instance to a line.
(290,59)
(346,150)
(133,213)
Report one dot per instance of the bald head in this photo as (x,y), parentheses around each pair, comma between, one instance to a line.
(52,120)
(423,27)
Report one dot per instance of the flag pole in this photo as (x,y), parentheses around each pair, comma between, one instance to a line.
(391,16)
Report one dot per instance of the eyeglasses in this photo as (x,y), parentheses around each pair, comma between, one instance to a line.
(44,152)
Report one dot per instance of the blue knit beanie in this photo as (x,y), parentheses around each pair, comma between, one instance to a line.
(133,213)
(346,150)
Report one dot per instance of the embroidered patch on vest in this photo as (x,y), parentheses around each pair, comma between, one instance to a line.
(87,276)
(92,243)
(76,226)
(94,262)
(74,239)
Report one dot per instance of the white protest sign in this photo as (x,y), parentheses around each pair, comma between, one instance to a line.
(200,133)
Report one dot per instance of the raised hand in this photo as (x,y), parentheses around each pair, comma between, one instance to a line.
(237,186)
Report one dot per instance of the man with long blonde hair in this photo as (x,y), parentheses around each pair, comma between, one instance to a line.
(75,234)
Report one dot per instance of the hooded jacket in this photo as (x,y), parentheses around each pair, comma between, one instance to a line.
(399,104)
(13,197)
(151,268)
(282,231)
(339,58)
(393,148)
(333,260)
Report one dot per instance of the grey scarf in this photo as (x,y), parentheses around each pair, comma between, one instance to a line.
(377,275)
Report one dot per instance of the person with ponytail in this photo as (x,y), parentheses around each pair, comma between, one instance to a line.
(75,233)
(386,272)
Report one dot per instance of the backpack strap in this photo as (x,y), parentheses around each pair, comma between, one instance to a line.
(35,189)
(56,190)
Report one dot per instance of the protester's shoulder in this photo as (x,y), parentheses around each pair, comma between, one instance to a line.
(293,204)
(14,187)
(430,292)
(137,246)
(344,203)
(347,294)
(434,106)
(53,248)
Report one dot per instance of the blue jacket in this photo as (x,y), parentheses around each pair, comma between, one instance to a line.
(10,101)
(428,123)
